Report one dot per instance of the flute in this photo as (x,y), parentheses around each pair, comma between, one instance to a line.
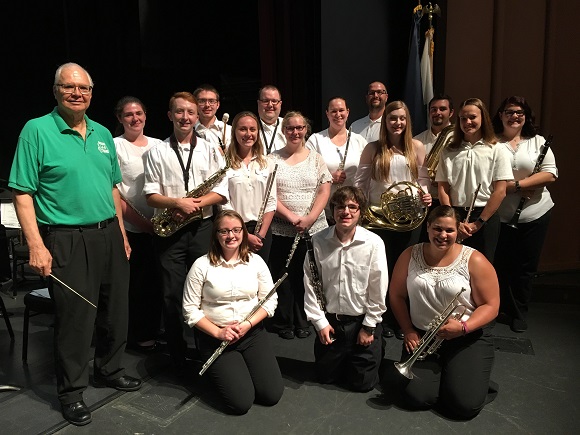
(225,343)
(516,217)
(265,200)
(298,235)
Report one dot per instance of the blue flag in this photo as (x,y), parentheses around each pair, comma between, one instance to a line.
(413,95)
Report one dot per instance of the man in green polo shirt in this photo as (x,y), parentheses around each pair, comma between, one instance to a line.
(64,177)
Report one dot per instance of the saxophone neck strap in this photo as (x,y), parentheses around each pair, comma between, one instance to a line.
(185,169)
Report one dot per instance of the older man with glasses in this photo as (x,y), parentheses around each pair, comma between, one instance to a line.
(269,108)
(64,178)
(369,126)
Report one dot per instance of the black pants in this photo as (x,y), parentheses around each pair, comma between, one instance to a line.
(246,372)
(176,254)
(92,262)
(346,361)
(516,262)
(267,242)
(456,378)
(290,313)
(485,240)
(145,293)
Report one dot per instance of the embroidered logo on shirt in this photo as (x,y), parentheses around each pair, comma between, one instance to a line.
(102,147)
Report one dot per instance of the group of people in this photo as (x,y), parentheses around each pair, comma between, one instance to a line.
(195,229)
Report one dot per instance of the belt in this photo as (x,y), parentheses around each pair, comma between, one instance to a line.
(97,226)
(345,318)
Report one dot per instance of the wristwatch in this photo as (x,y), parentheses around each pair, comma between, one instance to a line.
(517,186)
(481,221)
(369,329)
(261,238)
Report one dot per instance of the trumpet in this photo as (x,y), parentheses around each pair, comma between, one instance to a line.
(429,343)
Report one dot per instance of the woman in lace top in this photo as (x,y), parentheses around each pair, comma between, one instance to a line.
(426,278)
(518,250)
(303,188)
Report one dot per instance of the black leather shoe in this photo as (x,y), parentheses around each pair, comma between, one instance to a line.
(388,332)
(124,383)
(286,334)
(302,333)
(519,325)
(76,413)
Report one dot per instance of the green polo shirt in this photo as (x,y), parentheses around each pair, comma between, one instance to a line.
(70,179)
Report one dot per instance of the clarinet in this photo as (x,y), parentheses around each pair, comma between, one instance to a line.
(298,235)
(225,343)
(466,221)
(516,217)
(343,160)
(315,276)
(265,200)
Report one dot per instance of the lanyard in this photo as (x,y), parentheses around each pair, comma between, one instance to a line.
(269,147)
(185,169)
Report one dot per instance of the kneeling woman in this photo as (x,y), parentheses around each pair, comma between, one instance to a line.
(221,288)
(426,278)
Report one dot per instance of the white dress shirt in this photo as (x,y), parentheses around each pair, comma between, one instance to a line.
(214,133)
(467,166)
(354,277)
(266,136)
(163,173)
(367,128)
(227,292)
(132,163)
(247,188)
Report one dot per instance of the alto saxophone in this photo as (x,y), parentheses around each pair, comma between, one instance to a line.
(165,225)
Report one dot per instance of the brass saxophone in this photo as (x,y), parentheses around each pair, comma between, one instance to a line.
(164,225)
(432,159)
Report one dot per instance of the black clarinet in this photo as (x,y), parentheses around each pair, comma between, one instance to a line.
(516,217)
(315,276)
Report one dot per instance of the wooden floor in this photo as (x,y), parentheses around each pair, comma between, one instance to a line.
(537,373)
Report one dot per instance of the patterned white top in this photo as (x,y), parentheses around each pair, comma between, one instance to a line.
(296,186)
(431,289)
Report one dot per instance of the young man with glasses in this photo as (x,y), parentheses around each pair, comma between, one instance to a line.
(369,127)
(208,126)
(269,107)
(351,265)
(64,178)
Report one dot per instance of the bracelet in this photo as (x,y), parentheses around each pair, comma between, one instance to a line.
(251,326)
(464,327)
(517,185)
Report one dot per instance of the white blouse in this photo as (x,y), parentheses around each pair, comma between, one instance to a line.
(226,292)
(431,289)
(247,188)
(296,186)
(523,160)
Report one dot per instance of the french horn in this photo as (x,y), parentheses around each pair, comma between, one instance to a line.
(400,209)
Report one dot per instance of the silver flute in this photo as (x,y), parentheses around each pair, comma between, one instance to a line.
(225,343)
(265,201)
(298,235)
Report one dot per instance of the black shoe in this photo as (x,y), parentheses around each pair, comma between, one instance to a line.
(388,332)
(124,383)
(302,333)
(399,334)
(286,334)
(519,325)
(76,413)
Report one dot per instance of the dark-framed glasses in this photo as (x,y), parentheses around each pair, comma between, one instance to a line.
(510,112)
(226,231)
(70,89)
(273,102)
(353,208)
(208,101)
(377,91)
(298,128)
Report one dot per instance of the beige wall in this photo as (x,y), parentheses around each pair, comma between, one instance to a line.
(495,49)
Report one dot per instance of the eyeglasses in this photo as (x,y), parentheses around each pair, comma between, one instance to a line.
(378,92)
(298,128)
(70,89)
(514,112)
(273,102)
(353,208)
(225,231)
(208,101)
